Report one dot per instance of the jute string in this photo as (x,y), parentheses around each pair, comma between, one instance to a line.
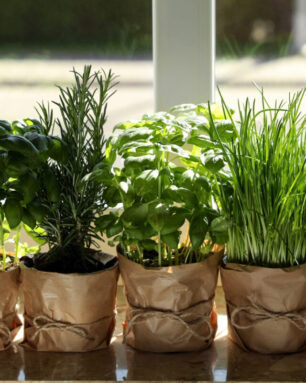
(263,314)
(45,323)
(140,315)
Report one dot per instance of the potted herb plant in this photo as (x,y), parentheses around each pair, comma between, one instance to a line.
(170,283)
(23,148)
(264,197)
(69,291)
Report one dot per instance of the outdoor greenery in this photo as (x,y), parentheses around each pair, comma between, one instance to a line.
(160,186)
(264,191)
(123,28)
(72,200)
(92,27)
(24,147)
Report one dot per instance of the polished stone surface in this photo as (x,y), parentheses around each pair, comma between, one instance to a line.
(224,361)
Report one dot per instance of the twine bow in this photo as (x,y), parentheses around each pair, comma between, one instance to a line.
(45,323)
(142,314)
(263,314)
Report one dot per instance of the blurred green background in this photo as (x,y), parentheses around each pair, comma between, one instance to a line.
(123,28)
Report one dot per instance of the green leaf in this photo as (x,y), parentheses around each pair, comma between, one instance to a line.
(198,229)
(172,223)
(190,180)
(37,210)
(138,234)
(179,194)
(16,165)
(18,144)
(220,225)
(52,186)
(135,215)
(105,221)
(171,239)
(110,154)
(202,142)
(114,229)
(146,181)
(134,134)
(58,150)
(13,212)
(28,184)
(112,196)
(145,161)
(212,161)
(28,219)
(183,110)
(141,233)
(37,234)
(41,142)
(5,127)
(157,215)
(102,173)
(149,244)
(225,129)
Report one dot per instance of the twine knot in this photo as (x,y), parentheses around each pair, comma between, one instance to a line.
(140,315)
(45,323)
(263,314)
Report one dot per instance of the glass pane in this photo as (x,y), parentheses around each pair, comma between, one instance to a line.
(40,44)
(261,41)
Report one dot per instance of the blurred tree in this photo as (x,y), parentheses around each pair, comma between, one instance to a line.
(113,24)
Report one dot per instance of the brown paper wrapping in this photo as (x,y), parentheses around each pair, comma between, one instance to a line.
(171,309)
(266,307)
(69,312)
(9,321)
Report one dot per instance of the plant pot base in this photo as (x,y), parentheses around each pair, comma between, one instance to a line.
(266,307)
(171,309)
(69,312)
(10,323)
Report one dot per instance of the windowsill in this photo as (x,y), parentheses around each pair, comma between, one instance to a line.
(224,361)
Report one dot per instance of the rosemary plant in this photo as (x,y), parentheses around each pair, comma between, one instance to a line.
(71,199)
(265,194)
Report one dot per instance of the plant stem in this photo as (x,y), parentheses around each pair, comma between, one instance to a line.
(2,245)
(159,250)
(17,243)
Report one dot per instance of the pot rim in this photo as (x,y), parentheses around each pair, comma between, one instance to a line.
(116,265)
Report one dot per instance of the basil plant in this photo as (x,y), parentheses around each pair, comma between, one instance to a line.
(161,186)
(24,147)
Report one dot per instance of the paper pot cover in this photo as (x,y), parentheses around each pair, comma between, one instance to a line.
(9,321)
(266,307)
(170,309)
(69,312)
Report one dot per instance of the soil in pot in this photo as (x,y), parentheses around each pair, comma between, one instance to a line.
(171,309)
(70,312)
(9,291)
(266,307)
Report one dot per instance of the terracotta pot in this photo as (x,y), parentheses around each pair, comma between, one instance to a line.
(170,309)
(69,312)
(9,322)
(266,307)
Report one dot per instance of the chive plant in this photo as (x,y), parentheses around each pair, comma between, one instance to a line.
(264,194)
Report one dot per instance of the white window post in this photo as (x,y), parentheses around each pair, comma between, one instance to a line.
(183,51)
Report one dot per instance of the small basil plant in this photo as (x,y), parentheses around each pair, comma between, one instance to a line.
(160,187)
(24,147)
